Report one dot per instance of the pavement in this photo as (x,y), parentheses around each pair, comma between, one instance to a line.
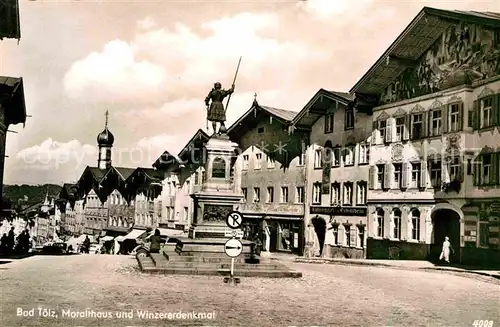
(397,264)
(77,288)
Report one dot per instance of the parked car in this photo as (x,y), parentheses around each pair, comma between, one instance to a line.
(54,248)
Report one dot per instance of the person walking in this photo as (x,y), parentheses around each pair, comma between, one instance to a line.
(445,252)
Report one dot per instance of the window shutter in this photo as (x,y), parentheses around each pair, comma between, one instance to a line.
(494,110)
(404,175)
(374,132)
(476,171)
(388,130)
(460,116)
(406,132)
(429,124)
(425,131)
(445,170)
(494,169)
(371,178)
(387,176)
(444,119)
(475,115)
(460,176)
(498,108)
(423,174)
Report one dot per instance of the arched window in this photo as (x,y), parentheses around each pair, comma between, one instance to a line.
(219,168)
(396,217)
(415,223)
(380,222)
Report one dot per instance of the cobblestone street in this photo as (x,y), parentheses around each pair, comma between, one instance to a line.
(327,295)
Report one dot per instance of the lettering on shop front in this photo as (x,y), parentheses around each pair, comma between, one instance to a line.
(339,211)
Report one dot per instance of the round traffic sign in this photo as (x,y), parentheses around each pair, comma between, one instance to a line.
(233,247)
(234,220)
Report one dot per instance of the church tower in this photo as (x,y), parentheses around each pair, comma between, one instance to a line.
(105,141)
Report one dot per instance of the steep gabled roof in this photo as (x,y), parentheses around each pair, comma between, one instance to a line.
(247,120)
(318,106)
(411,44)
(124,172)
(200,137)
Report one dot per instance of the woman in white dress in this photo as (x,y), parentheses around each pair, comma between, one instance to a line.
(445,253)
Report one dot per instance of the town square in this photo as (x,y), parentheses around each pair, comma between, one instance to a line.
(293,163)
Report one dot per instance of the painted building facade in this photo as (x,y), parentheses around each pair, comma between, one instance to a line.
(434,161)
(270,172)
(338,152)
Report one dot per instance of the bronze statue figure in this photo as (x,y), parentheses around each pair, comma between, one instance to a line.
(215,110)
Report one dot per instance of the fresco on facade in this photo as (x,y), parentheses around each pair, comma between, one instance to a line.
(464,53)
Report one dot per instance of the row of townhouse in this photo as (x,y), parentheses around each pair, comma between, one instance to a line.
(410,155)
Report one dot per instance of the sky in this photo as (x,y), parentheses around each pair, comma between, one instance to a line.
(152,63)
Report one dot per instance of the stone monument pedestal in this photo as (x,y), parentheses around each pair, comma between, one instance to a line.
(216,199)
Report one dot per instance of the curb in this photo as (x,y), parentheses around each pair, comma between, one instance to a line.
(374,264)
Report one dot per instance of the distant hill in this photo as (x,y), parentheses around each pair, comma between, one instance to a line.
(34,193)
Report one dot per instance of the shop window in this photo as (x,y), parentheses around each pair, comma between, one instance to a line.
(347,230)
(335,231)
(380,222)
(415,224)
(483,234)
(361,236)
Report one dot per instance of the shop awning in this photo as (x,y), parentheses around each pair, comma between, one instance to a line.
(135,233)
(170,232)
(107,238)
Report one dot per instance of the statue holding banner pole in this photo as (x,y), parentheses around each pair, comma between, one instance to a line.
(216,113)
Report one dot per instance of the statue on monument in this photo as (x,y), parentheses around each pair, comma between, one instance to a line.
(216,113)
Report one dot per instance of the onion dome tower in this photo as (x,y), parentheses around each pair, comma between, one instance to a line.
(105,141)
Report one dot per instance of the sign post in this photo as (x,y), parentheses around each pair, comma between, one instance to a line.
(233,247)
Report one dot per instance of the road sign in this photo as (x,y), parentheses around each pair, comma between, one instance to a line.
(233,248)
(238,233)
(234,220)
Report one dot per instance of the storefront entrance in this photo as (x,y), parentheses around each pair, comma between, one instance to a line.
(286,235)
(446,222)
(320,229)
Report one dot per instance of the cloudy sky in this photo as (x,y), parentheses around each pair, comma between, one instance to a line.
(151,65)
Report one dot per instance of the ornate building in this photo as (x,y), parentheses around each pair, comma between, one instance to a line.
(270,171)
(339,128)
(434,161)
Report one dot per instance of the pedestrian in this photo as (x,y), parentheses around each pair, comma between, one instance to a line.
(155,242)
(3,243)
(10,240)
(445,252)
